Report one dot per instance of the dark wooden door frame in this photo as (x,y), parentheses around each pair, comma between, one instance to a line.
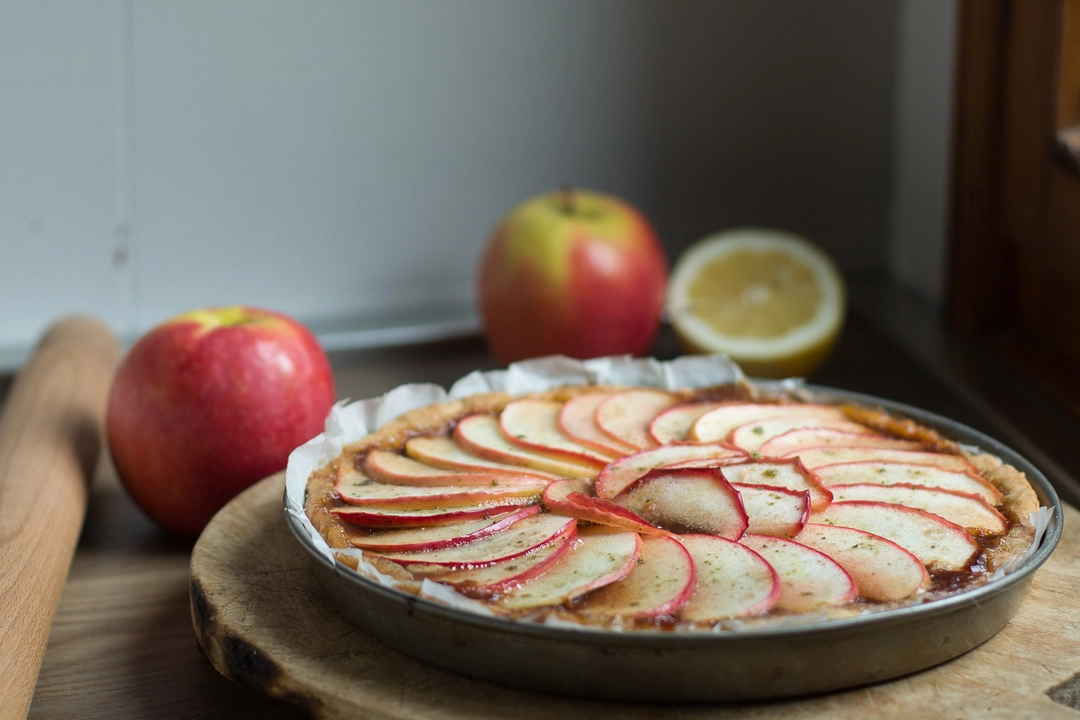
(978,250)
(1005,164)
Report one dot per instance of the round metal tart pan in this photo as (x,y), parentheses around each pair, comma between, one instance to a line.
(681,666)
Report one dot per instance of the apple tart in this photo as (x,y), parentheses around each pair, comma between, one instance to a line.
(637,507)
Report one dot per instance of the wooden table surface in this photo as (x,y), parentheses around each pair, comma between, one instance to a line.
(122,644)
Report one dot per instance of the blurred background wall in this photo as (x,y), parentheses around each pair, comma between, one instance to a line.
(345,160)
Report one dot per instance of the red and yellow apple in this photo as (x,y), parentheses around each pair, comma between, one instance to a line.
(210,402)
(573,272)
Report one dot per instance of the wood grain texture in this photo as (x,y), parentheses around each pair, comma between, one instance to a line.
(1068,79)
(121,643)
(51,435)
(978,258)
(1030,95)
(1016,197)
(261,619)
(1061,284)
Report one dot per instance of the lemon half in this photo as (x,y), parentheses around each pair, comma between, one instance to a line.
(768,299)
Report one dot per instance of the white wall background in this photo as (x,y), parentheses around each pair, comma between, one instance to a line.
(922,146)
(345,158)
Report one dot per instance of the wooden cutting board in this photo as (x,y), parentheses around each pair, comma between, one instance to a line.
(262,620)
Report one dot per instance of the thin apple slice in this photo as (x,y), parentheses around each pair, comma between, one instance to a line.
(694,500)
(577,420)
(555,494)
(882,570)
(394,517)
(626,415)
(752,435)
(606,512)
(437,536)
(356,488)
(442,452)
(481,435)
(534,425)
(732,581)
(660,582)
(393,469)
(717,424)
(805,438)
(673,425)
(887,473)
(710,462)
(774,510)
(788,474)
(938,543)
(571,498)
(808,578)
(814,458)
(594,561)
(970,512)
(617,476)
(520,538)
(500,577)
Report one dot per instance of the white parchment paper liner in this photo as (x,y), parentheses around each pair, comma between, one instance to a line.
(350,421)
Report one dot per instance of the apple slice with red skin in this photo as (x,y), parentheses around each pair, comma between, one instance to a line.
(808,578)
(555,494)
(882,570)
(814,458)
(774,510)
(482,436)
(805,438)
(376,517)
(661,581)
(733,581)
(788,474)
(499,577)
(970,512)
(936,542)
(717,424)
(752,435)
(886,473)
(393,469)
(570,497)
(673,425)
(694,500)
(617,476)
(520,538)
(710,462)
(355,488)
(596,559)
(626,415)
(437,536)
(577,420)
(442,452)
(605,512)
(534,425)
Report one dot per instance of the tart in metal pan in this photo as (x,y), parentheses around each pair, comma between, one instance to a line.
(768,660)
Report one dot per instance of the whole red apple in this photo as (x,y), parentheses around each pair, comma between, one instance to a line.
(573,272)
(210,402)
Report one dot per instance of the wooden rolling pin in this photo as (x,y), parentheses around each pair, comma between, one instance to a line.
(51,436)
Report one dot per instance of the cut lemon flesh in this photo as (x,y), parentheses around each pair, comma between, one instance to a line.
(770,300)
